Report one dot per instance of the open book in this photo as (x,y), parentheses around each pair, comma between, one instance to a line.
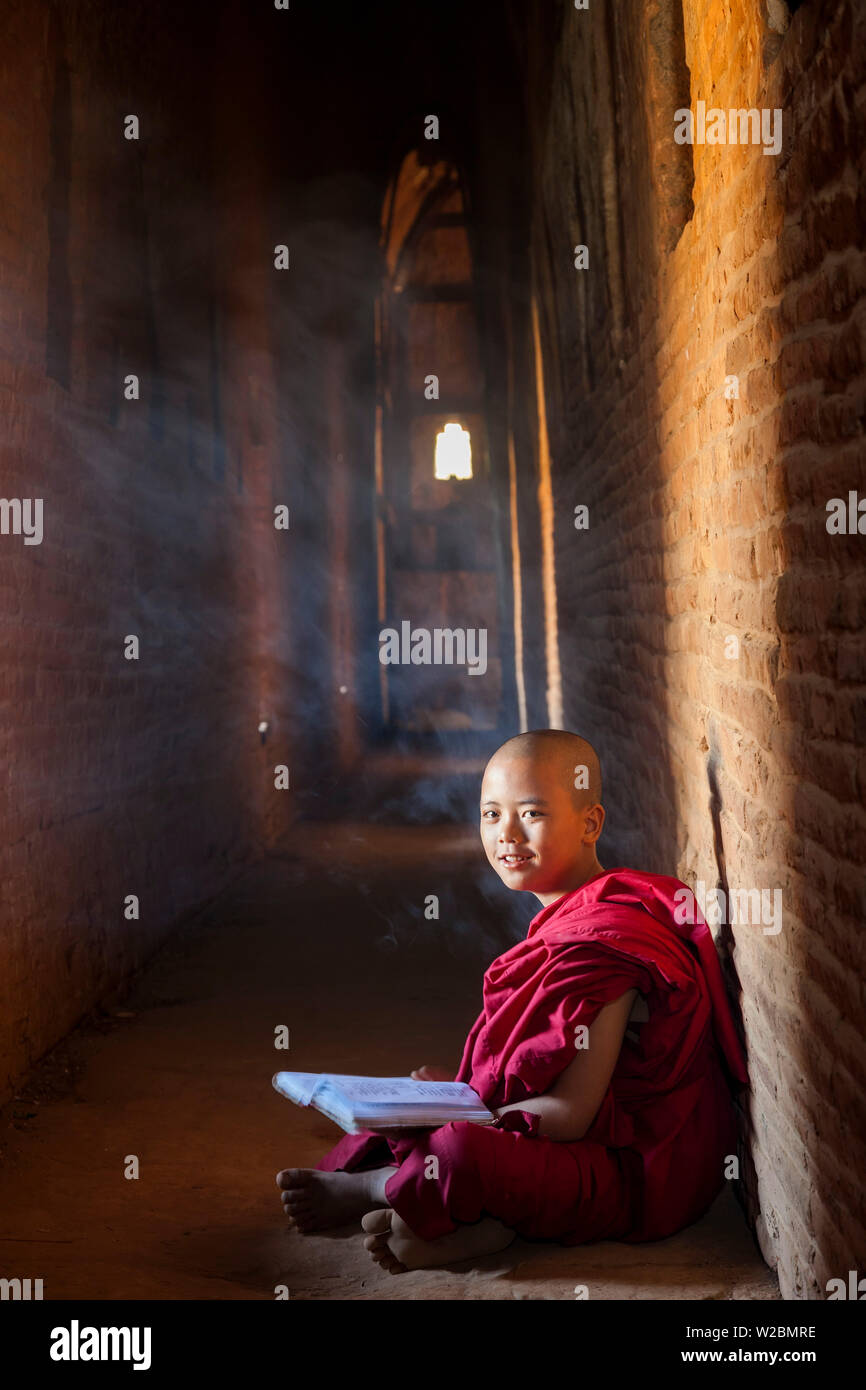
(383,1102)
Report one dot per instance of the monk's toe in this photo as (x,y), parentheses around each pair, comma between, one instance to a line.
(386,1259)
(375,1243)
(297,1201)
(377,1223)
(293,1178)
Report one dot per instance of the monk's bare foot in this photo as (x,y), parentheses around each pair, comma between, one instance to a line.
(397,1249)
(315,1201)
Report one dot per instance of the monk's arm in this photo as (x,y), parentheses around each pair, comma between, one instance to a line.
(568,1109)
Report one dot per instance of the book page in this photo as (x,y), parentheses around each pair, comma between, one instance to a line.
(298,1086)
(381,1090)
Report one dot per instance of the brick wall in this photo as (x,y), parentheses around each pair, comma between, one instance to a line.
(130,777)
(707,520)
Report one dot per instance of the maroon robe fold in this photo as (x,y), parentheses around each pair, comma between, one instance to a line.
(654,1157)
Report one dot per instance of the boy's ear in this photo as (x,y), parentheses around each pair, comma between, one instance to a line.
(593,823)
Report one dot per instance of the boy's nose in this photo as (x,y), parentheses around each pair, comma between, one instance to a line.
(510,836)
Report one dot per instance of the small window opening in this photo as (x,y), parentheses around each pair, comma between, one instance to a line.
(453,457)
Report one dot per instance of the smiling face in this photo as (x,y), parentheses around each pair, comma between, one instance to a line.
(539,832)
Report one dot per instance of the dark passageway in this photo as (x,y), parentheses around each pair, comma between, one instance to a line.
(394,379)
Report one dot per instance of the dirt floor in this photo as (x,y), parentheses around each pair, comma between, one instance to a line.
(179,1075)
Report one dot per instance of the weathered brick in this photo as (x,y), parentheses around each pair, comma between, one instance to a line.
(767,283)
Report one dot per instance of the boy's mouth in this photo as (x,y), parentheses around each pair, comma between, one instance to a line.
(515,861)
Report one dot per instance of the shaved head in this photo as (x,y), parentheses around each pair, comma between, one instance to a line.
(569,754)
(541,813)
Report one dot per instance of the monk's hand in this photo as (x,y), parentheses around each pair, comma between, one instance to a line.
(432,1073)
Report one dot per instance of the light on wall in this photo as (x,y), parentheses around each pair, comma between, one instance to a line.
(453,458)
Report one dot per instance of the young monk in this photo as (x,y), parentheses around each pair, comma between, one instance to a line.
(605,1048)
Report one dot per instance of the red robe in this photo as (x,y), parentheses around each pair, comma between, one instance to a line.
(655,1155)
